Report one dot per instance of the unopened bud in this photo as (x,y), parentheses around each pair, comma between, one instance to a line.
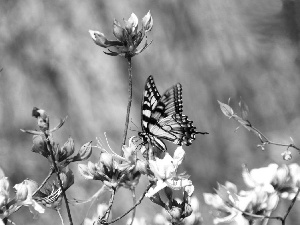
(118,31)
(147,22)
(68,148)
(85,151)
(99,38)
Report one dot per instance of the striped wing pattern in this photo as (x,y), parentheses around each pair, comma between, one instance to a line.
(162,117)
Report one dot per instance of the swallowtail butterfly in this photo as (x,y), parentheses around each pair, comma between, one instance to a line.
(162,117)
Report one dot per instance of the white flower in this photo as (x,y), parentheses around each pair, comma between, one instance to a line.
(165,172)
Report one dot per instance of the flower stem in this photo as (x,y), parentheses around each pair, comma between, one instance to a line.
(133,207)
(129,101)
(134,201)
(49,146)
(106,214)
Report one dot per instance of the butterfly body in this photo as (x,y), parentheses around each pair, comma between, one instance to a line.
(162,117)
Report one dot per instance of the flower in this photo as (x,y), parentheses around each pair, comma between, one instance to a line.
(106,170)
(128,37)
(165,170)
(112,173)
(24,192)
(236,206)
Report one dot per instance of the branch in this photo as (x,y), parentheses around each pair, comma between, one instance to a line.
(49,146)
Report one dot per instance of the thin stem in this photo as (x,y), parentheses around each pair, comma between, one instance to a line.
(133,207)
(134,201)
(129,101)
(106,215)
(267,141)
(44,182)
(49,146)
(62,221)
(292,204)
(259,216)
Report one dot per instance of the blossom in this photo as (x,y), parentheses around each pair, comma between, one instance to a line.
(24,196)
(224,201)
(235,205)
(128,37)
(112,173)
(164,171)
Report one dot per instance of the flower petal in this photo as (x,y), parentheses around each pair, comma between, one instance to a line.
(159,186)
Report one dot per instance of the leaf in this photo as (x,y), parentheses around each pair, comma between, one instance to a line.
(244,109)
(226,109)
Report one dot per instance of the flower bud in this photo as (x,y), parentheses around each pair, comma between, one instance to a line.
(67,178)
(99,38)
(147,22)
(85,151)
(21,191)
(287,155)
(39,145)
(43,118)
(68,149)
(118,31)
(131,24)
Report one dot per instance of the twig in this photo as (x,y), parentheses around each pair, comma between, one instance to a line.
(129,101)
(49,146)
(267,141)
(133,207)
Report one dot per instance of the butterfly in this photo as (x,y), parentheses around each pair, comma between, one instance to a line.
(162,117)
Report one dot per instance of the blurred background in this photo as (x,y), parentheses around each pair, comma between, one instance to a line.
(217,49)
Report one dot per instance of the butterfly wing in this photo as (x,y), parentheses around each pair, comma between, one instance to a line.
(162,116)
(149,103)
